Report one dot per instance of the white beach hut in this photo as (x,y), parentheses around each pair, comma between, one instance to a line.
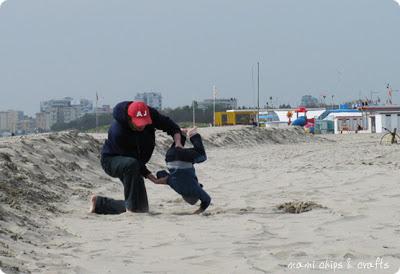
(380,117)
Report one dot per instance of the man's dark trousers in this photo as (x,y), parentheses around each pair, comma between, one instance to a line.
(127,169)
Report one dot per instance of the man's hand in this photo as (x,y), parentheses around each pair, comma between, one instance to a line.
(161,181)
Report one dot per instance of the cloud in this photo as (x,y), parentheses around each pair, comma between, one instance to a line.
(397,1)
(2,2)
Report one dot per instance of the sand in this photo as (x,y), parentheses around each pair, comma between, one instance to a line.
(347,187)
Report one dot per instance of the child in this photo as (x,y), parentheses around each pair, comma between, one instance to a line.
(182,176)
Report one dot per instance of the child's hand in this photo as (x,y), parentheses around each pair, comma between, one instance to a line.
(191,131)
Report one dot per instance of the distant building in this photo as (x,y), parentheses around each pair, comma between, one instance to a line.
(104,109)
(26,125)
(61,111)
(63,114)
(86,105)
(9,120)
(71,113)
(4,121)
(153,99)
(46,106)
(43,121)
(14,116)
(309,101)
(230,103)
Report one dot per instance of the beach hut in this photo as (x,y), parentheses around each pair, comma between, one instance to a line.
(377,118)
(348,123)
(341,120)
(235,117)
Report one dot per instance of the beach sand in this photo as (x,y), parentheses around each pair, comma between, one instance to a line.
(46,181)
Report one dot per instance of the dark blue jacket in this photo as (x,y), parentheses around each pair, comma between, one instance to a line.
(194,155)
(124,141)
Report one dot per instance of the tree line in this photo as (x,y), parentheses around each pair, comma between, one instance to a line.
(85,123)
(181,115)
(185,114)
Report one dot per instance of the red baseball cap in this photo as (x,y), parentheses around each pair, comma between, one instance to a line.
(139,113)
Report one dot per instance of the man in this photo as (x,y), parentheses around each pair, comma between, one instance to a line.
(130,144)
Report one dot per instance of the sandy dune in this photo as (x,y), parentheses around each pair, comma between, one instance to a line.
(46,181)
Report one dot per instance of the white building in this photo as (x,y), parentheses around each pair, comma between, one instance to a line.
(86,105)
(353,122)
(346,121)
(152,99)
(311,113)
(45,106)
(62,111)
(380,117)
(228,103)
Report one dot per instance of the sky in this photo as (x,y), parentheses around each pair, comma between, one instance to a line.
(52,49)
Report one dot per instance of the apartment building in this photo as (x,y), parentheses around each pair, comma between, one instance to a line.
(153,99)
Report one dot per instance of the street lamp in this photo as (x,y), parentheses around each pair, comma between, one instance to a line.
(214,98)
(194,113)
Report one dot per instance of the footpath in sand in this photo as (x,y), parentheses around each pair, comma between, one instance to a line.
(46,180)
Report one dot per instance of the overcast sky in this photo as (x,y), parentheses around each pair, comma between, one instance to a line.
(53,48)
